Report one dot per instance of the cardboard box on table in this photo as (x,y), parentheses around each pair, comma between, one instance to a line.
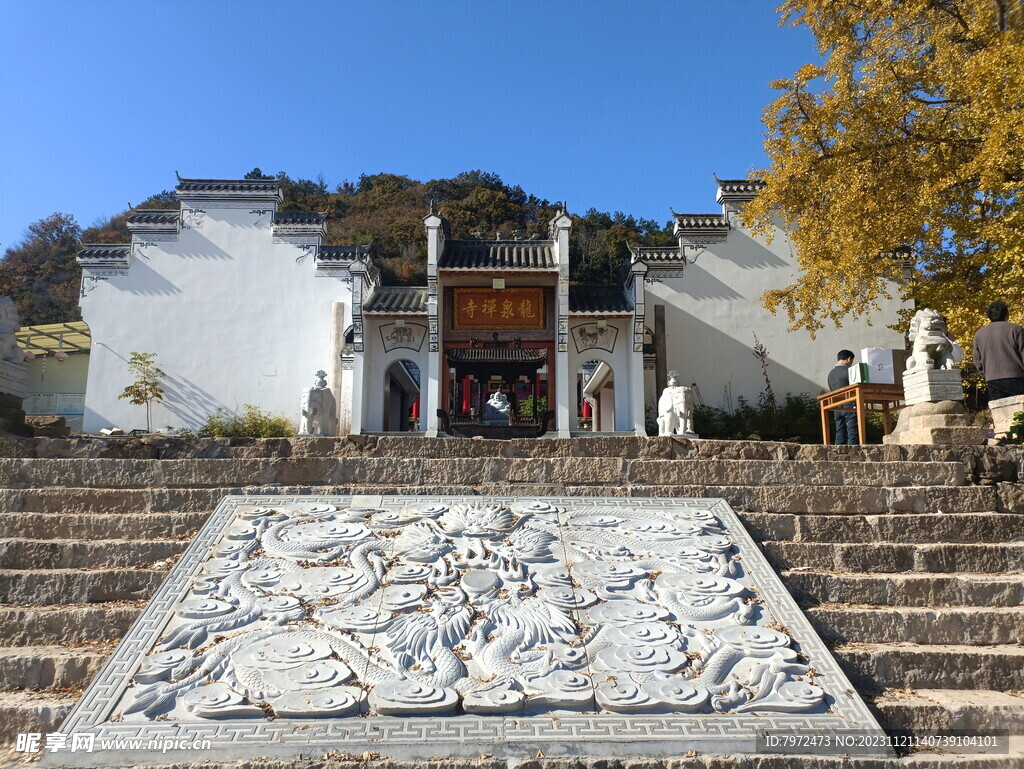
(879,366)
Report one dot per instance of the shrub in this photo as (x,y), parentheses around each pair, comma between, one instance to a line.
(251,423)
(796,419)
(526,407)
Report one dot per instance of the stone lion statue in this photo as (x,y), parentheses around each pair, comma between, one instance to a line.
(9,350)
(931,347)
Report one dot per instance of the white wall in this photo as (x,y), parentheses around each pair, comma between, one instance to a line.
(376,362)
(713,311)
(618,360)
(232,318)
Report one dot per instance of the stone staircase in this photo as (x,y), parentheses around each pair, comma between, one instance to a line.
(908,560)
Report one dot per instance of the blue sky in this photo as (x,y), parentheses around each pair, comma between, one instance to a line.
(615,105)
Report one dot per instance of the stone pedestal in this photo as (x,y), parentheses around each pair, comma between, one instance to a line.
(936,424)
(932,386)
(48,426)
(1003,411)
(13,377)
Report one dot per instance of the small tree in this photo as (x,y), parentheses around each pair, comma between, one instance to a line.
(146,387)
(531,407)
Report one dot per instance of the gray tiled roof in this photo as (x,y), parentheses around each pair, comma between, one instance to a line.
(228,185)
(298,217)
(701,222)
(154,216)
(104,254)
(598,299)
(656,253)
(740,186)
(397,299)
(497,355)
(340,253)
(498,255)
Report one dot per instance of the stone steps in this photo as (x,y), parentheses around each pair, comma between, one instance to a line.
(66,624)
(54,587)
(911,529)
(100,525)
(891,557)
(850,528)
(73,553)
(860,557)
(985,461)
(964,625)
(328,471)
(933,666)
(898,590)
(860,500)
(941,710)
(34,711)
(50,667)
(906,596)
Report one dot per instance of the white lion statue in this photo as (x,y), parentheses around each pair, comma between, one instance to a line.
(931,346)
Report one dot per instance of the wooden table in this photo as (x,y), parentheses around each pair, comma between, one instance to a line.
(883,398)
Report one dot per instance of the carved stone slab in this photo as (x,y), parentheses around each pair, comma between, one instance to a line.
(418,627)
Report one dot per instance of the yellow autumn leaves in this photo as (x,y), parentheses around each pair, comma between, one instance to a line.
(905,146)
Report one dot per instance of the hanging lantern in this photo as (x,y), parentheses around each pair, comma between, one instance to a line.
(61,356)
(29,356)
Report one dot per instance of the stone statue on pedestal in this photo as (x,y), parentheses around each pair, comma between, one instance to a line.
(931,346)
(497,409)
(933,389)
(318,408)
(675,409)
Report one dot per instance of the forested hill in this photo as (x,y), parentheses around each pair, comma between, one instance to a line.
(386,209)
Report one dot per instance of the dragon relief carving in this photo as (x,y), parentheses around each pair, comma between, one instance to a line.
(481,608)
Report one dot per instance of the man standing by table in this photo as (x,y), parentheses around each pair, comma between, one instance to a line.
(999,353)
(845,416)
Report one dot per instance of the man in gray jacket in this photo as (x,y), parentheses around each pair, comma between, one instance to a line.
(845,417)
(999,353)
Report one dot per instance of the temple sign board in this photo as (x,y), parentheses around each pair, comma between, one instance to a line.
(488,308)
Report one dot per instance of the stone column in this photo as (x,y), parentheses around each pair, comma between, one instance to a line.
(430,401)
(358,390)
(334,365)
(636,357)
(565,420)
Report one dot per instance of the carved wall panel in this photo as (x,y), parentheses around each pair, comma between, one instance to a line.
(463,625)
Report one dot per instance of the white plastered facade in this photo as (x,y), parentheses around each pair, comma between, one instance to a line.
(714,315)
(242,304)
(232,305)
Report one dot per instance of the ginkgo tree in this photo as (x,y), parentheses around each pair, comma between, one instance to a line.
(905,146)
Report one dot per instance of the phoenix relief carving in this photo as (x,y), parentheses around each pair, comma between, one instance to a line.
(435,608)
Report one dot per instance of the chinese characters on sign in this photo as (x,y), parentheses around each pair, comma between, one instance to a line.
(510,308)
